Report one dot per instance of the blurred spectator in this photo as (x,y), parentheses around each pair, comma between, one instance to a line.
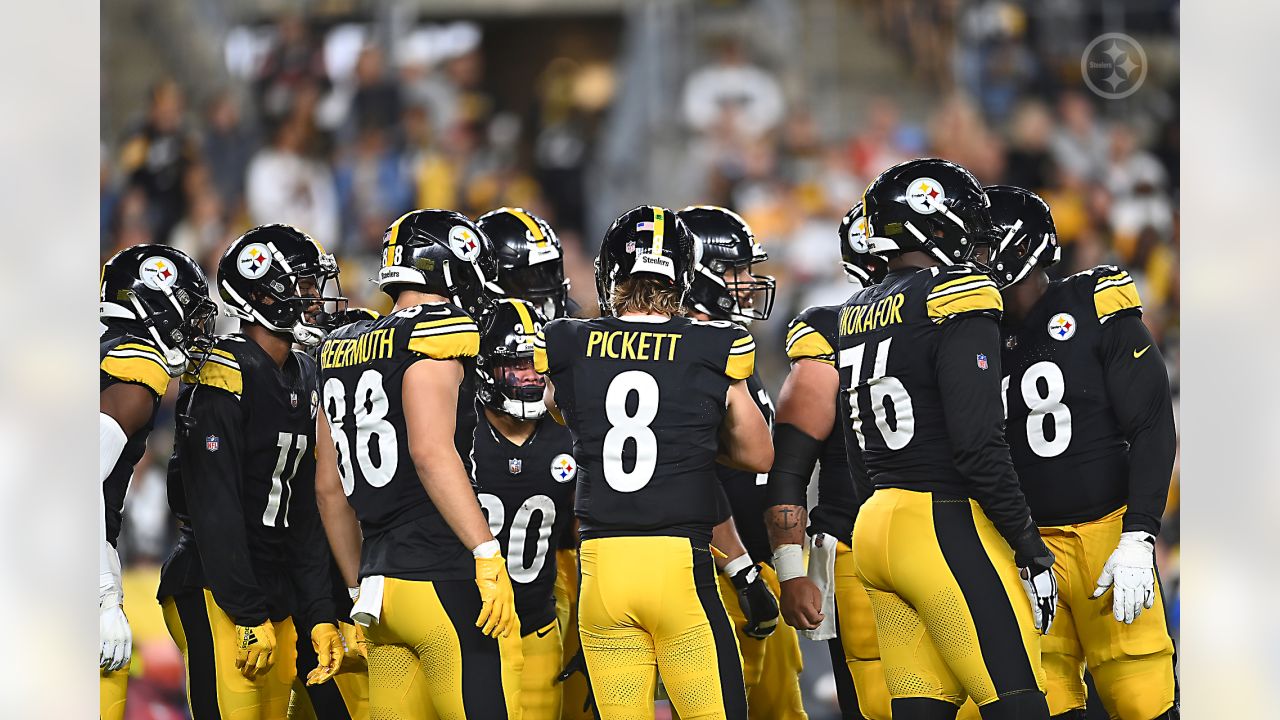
(293,61)
(877,147)
(1029,163)
(372,185)
(376,100)
(228,145)
(1079,145)
(284,186)
(155,156)
(203,229)
(733,91)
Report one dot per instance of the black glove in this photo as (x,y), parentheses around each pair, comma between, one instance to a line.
(578,663)
(757,602)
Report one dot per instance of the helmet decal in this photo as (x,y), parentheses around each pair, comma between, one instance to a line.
(926,195)
(158,273)
(254,261)
(464,242)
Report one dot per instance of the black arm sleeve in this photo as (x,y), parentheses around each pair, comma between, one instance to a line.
(211,480)
(1140,398)
(312,564)
(974,413)
(794,455)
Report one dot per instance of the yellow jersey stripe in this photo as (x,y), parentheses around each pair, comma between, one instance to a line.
(526,321)
(142,371)
(810,345)
(740,366)
(791,332)
(958,281)
(223,353)
(217,375)
(1112,300)
(743,340)
(137,346)
(447,346)
(455,320)
(981,298)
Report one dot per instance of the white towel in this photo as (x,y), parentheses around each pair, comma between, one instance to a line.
(822,571)
(368,608)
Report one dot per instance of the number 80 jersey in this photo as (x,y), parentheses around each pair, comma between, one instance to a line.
(362,367)
(644,398)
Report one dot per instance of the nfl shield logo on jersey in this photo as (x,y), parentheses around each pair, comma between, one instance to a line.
(293,399)
(563,468)
(982,361)
(515,465)
(211,443)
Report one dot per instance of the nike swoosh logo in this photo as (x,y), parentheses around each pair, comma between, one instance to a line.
(444,311)
(1139,353)
(540,633)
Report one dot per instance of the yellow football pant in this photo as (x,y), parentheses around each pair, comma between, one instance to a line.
(946,595)
(770,667)
(669,618)
(575,688)
(1132,665)
(215,688)
(345,697)
(540,694)
(427,658)
(111,693)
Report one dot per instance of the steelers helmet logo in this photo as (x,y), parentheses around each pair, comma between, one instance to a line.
(858,236)
(464,243)
(563,468)
(1062,326)
(926,195)
(158,273)
(254,261)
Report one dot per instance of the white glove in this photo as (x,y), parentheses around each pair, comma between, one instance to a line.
(1130,572)
(113,628)
(1042,590)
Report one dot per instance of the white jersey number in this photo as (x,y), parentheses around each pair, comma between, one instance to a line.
(516,543)
(286,443)
(624,427)
(886,391)
(1047,403)
(371,405)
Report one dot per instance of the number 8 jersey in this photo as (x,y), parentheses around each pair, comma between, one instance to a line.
(362,367)
(644,398)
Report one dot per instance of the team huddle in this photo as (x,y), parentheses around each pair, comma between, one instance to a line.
(477,506)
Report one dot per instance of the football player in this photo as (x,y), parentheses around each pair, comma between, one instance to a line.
(653,398)
(725,288)
(251,566)
(402,517)
(1090,426)
(156,314)
(945,546)
(808,431)
(524,470)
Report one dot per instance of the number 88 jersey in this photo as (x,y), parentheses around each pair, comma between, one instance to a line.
(644,398)
(362,367)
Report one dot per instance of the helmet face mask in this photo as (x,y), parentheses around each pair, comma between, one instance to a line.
(928,205)
(507,381)
(1023,237)
(725,286)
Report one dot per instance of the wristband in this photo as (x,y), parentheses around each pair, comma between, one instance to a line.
(788,562)
(488,549)
(737,564)
(354,592)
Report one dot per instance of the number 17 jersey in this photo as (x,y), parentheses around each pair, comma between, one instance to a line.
(362,368)
(644,398)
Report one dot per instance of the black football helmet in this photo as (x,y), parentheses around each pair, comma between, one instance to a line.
(441,252)
(930,205)
(860,265)
(277,276)
(507,381)
(725,242)
(647,240)
(530,259)
(165,292)
(1025,237)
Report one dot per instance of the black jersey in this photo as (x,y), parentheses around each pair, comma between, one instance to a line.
(526,492)
(919,361)
(644,399)
(362,368)
(242,483)
(747,491)
(813,335)
(1083,377)
(126,358)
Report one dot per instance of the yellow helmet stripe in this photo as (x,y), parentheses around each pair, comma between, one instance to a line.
(659,221)
(393,234)
(526,320)
(534,230)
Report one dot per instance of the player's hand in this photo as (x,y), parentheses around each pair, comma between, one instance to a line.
(1042,590)
(802,603)
(1130,573)
(329,647)
(498,613)
(255,649)
(116,639)
(757,602)
(578,664)
(356,658)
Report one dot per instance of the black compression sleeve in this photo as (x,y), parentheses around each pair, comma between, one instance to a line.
(1138,385)
(974,412)
(211,479)
(794,455)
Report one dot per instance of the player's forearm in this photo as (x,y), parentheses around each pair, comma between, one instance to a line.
(343,532)
(785,525)
(446,483)
(724,536)
(745,443)
(795,453)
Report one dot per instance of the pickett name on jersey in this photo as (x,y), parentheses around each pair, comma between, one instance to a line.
(374,345)
(865,318)
(632,345)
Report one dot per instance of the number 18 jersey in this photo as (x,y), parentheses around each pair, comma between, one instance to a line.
(644,398)
(362,367)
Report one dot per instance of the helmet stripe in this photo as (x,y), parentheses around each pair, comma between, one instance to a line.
(529,223)
(659,220)
(393,234)
(526,320)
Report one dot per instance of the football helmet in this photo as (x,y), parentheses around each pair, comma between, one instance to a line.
(530,259)
(649,240)
(277,276)
(726,244)
(1024,234)
(507,381)
(931,205)
(441,252)
(860,265)
(164,291)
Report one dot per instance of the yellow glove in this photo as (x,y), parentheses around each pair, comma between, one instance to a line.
(498,614)
(327,642)
(357,658)
(256,647)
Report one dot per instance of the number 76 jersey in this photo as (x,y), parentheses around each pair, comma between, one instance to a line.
(644,398)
